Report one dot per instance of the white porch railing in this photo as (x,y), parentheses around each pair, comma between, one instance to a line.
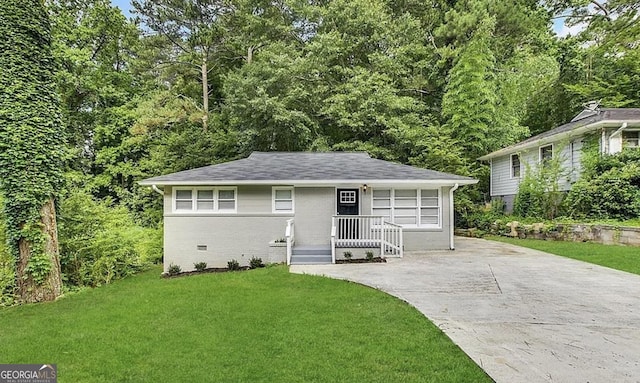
(289,234)
(366,231)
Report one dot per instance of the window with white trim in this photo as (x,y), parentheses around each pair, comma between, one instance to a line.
(226,199)
(408,207)
(515,166)
(282,199)
(348,196)
(183,199)
(204,200)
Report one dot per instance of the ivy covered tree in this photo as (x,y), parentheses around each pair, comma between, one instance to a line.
(31,147)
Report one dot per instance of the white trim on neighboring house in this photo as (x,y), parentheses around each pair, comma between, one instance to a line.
(396,203)
(214,200)
(491,173)
(274,200)
(511,167)
(540,158)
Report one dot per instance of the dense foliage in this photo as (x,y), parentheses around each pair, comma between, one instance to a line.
(608,188)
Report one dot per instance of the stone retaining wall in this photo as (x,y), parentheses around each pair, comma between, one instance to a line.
(605,234)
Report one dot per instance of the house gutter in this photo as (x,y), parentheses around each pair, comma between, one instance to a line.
(155,189)
(451,216)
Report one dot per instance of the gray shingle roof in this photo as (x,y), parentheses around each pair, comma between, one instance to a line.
(604,115)
(304,166)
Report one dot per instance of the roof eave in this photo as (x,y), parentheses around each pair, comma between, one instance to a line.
(546,140)
(442,181)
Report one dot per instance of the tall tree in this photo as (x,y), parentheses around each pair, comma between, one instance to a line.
(31,147)
(194,30)
(469,102)
(93,44)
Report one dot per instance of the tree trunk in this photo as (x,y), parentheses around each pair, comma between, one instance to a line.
(29,290)
(249,55)
(205,94)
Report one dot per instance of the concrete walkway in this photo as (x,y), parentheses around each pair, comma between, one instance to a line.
(522,315)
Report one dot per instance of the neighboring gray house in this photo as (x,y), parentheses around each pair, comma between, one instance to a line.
(614,128)
(300,207)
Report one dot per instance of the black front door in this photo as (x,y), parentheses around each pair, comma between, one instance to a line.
(348,201)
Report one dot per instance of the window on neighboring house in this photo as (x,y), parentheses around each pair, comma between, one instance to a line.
(200,199)
(410,207)
(631,139)
(515,166)
(546,154)
(282,199)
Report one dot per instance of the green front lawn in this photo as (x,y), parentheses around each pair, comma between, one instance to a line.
(262,325)
(625,258)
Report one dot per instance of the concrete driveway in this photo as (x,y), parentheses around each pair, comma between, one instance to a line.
(522,315)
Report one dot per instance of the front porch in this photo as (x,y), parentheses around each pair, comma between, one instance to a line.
(348,232)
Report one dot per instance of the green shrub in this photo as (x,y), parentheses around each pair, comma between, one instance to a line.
(200,266)
(538,192)
(174,269)
(347,255)
(233,265)
(369,255)
(255,263)
(99,242)
(612,192)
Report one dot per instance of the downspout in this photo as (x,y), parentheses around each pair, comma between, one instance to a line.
(451,216)
(155,189)
(623,127)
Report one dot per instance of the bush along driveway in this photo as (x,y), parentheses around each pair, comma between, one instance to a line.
(521,314)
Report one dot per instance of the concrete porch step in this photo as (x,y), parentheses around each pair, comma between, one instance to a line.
(311,255)
(311,250)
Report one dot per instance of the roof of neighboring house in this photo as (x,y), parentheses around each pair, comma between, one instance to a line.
(306,168)
(585,121)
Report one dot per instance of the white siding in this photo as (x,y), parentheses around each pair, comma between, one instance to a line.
(569,154)
(314,209)
(501,181)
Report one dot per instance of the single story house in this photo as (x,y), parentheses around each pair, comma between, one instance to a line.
(614,128)
(299,207)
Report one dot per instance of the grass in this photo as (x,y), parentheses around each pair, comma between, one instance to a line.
(625,258)
(263,325)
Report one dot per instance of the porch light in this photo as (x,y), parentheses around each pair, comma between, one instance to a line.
(364,188)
